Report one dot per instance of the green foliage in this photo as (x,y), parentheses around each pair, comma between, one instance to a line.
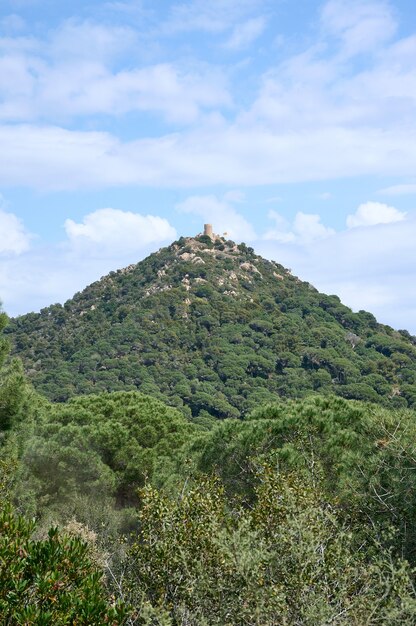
(362,455)
(14,395)
(55,580)
(50,581)
(18,401)
(212,328)
(298,514)
(93,453)
(4,345)
(288,560)
(206,240)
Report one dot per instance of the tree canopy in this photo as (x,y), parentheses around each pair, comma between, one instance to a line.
(214,330)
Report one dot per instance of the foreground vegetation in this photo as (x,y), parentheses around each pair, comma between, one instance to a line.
(51,581)
(302,513)
(227,447)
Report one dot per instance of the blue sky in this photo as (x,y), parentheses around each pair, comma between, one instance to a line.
(289,125)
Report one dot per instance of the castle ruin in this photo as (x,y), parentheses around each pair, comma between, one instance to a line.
(208,232)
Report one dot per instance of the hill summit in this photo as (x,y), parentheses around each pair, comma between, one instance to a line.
(214,329)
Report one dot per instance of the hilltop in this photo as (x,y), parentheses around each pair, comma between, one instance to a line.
(215,330)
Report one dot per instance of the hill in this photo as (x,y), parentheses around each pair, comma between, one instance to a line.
(235,510)
(215,330)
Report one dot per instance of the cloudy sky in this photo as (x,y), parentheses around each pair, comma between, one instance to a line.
(289,125)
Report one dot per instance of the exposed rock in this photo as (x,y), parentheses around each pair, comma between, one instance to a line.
(156,289)
(187,256)
(186,282)
(249,267)
(127,270)
(352,339)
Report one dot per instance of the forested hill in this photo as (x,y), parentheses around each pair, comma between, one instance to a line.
(215,330)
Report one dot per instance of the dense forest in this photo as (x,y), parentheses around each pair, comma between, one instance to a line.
(204,440)
(214,330)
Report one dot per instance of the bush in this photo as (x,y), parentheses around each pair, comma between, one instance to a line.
(51,581)
(288,560)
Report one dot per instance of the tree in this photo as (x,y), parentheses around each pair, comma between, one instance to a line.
(201,559)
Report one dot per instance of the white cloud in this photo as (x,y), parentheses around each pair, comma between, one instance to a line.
(399,190)
(221,214)
(14,238)
(86,69)
(54,158)
(33,89)
(163,89)
(369,268)
(361,25)
(212,17)
(37,279)
(246,33)
(274,200)
(136,8)
(320,88)
(234,195)
(282,229)
(105,240)
(113,232)
(359,118)
(372,213)
(305,229)
(12,23)
(78,40)
(309,228)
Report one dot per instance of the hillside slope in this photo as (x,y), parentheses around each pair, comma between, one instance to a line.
(214,329)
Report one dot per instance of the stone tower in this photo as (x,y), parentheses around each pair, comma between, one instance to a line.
(208,231)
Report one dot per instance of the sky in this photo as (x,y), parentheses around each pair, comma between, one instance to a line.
(290,126)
